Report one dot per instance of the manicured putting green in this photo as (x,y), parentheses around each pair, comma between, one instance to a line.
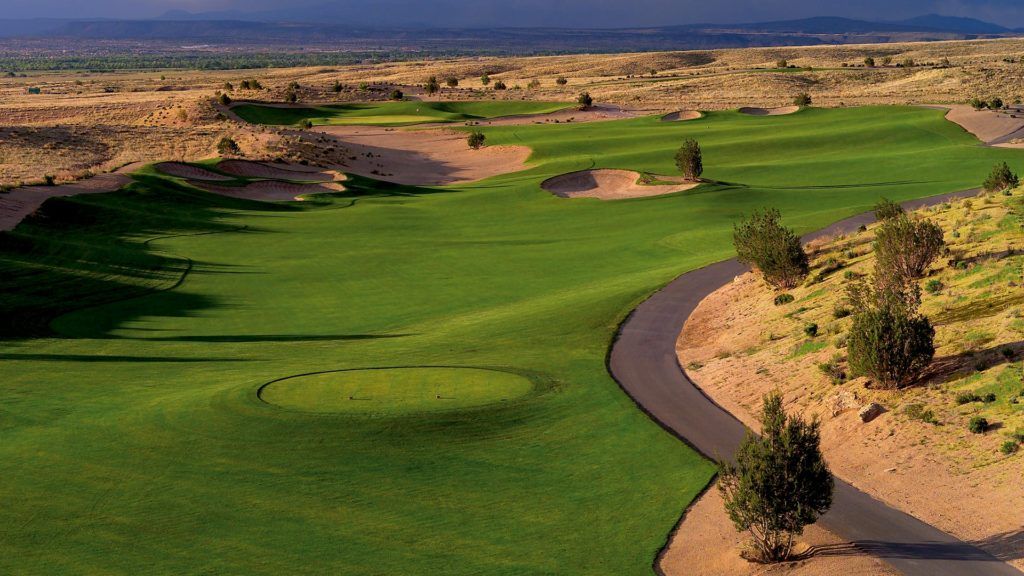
(395,390)
(392,113)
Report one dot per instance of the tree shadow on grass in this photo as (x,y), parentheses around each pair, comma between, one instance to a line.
(957,366)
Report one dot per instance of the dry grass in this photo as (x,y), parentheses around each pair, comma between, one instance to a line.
(84,122)
(920,455)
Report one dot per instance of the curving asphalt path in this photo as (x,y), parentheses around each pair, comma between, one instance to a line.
(643,361)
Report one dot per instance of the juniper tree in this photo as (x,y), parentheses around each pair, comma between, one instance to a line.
(762,242)
(780,482)
(690,159)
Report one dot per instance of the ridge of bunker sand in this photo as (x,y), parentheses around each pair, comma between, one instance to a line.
(277,171)
(780,111)
(270,190)
(611,184)
(682,116)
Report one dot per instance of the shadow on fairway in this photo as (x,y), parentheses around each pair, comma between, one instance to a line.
(102,358)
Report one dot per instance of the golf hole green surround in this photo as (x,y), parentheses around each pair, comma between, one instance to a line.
(395,390)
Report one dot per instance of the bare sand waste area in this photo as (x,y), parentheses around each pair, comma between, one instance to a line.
(608,184)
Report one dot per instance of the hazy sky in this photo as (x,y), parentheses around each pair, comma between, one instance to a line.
(540,12)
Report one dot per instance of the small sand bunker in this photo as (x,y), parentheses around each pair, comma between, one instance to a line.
(182,170)
(611,185)
(682,115)
(780,111)
(275,171)
(269,190)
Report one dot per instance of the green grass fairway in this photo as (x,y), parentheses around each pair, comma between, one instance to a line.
(390,391)
(134,441)
(392,113)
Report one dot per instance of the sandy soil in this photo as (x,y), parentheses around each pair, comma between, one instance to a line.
(17,203)
(724,349)
(277,171)
(706,544)
(421,157)
(270,191)
(682,115)
(780,111)
(610,185)
(995,128)
(181,170)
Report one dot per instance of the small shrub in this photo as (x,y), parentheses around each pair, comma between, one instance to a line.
(933,286)
(485,79)
(869,62)
(1001,178)
(452,82)
(306,124)
(584,100)
(228,145)
(476,140)
(802,99)
(889,341)
(49,180)
(840,311)
(761,241)
(967,397)
(783,299)
(782,63)
(850,275)
(396,94)
(811,330)
(561,81)
(978,425)
(533,85)
(1007,353)
(1009,447)
(833,370)
(224,99)
(499,85)
(291,97)
(988,398)
(904,248)
(431,86)
(919,412)
(886,209)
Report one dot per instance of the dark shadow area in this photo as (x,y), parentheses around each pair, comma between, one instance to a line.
(1006,546)
(216,339)
(101,358)
(81,252)
(951,551)
(949,368)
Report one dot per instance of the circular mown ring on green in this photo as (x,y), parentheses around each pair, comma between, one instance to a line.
(395,391)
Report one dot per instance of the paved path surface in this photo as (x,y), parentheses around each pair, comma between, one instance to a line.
(643,360)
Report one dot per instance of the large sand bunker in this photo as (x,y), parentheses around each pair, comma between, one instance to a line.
(270,190)
(780,111)
(682,115)
(182,170)
(277,171)
(422,157)
(1003,128)
(608,184)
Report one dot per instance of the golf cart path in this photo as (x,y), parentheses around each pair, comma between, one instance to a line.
(643,361)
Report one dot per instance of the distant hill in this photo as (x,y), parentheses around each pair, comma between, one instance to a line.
(955,24)
(300,29)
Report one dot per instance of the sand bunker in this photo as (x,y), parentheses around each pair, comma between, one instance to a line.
(275,171)
(182,170)
(780,111)
(422,157)
(611,185)
(992,128)
(682,115)
(269,190)
(18,203)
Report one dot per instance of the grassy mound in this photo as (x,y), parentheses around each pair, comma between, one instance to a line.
(136,439)
(391,391)
(392,113)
